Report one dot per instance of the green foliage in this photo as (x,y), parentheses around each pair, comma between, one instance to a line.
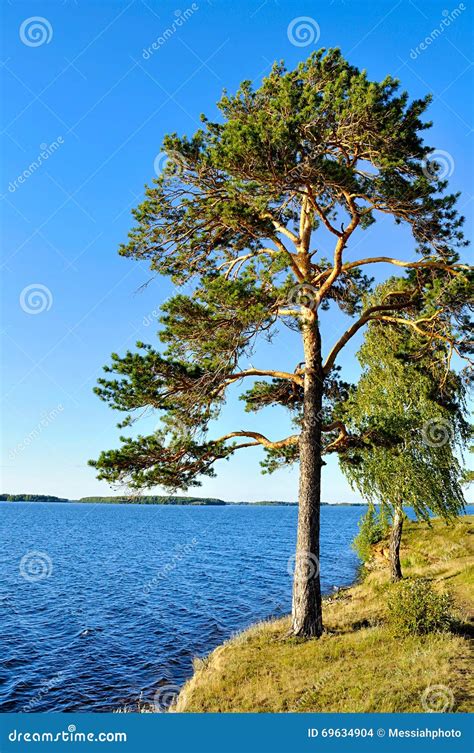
(409,411)
(315,125)
(468,473)
(237,212)
(373,527)
(150,461)
(415,608)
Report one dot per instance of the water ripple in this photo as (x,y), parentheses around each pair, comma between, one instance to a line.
(135,592)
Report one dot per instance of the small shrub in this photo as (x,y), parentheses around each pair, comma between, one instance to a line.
(373,528)
(415,608)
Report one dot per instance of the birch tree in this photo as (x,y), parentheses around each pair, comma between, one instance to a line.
(412,413)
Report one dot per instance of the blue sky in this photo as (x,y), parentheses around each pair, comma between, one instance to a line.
(81,89)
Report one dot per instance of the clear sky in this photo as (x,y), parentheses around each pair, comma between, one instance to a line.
(87,105)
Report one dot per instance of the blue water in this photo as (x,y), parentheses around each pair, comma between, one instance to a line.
(102,604)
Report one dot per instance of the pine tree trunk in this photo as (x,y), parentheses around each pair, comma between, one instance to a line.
(306,611)
(395,539)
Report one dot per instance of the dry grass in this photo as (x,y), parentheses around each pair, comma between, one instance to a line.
(358,665)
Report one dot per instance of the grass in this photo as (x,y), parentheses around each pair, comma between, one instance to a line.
(358,665)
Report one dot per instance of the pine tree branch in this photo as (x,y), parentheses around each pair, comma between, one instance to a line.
(294,377)
(259,439)
(231,263)
(356,326)
(282,228)
(321,213)
(289,312)
(338,251)
(291,257)
(341,438)
(430,334)
(451,269)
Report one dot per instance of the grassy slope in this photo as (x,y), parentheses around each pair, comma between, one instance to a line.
(357,665)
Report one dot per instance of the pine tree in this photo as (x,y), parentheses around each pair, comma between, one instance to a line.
(241,212)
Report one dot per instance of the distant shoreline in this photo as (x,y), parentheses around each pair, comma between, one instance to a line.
(162,500)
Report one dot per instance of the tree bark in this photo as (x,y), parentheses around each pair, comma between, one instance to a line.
(306,610)
(395,539)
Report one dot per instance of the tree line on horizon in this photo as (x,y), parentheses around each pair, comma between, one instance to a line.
(160,500)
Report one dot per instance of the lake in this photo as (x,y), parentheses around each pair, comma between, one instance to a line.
(101,604)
